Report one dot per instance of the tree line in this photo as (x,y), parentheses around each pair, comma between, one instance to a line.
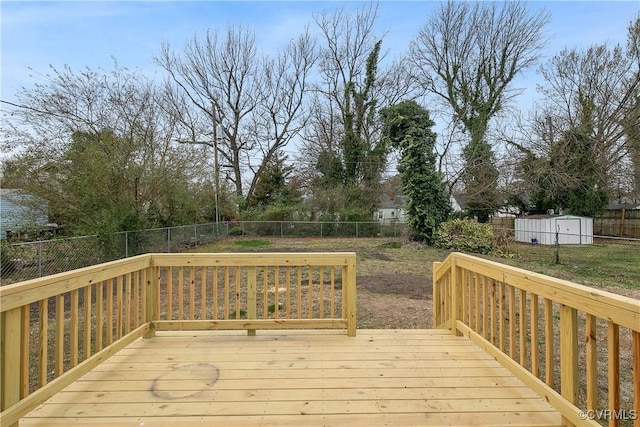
(309,131)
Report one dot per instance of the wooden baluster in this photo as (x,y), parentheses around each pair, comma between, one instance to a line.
(535,351)
(59,344)
(73,328)
(492,303)
(214,307)
(119,307)
(485,305)
(310,294)
(512,322)
(321,293)
(43,345)
(503,316)
(333,290)
(548,346)
(192,293)
(180,293)
(25,349)
(299,295)
(238,305)
(87,321)
(169,294)
(127,303)
(523,327)
(99,316)
(276,294)
(592,358)
(109,315)
(203,293)
(265,293)
(287,279)
(226,293)
(463,295)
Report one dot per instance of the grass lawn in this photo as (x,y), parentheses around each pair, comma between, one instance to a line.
(602,265)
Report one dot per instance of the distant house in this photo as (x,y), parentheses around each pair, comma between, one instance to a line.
(457,202)
(391,208)
(20,211)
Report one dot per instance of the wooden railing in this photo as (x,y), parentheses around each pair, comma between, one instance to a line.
(560,338)
(55,329)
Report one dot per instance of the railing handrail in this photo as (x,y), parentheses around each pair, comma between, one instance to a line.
(129,292)
(251,259)
(620,309)
(491,303)
(24,293)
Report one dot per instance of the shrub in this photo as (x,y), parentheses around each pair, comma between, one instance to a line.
(465,236)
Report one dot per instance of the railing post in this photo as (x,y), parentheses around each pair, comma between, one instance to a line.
(437,296)
(251,297)
(636,375)
(10,357)
(456,295)
(151,300)
(351,296)
(569,355)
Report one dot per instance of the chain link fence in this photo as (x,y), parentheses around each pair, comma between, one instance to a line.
(23,261)
(28,260)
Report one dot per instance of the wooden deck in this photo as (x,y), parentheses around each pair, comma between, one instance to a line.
(298,378)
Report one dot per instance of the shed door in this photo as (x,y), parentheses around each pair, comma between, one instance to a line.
(569,231)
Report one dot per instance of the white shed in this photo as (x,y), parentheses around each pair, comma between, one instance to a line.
(543,229)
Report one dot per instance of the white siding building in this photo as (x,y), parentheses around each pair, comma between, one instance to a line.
(544,229)
(20,210)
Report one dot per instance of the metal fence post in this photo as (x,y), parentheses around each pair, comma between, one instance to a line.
(321,229)
(356,229)
(195,234)
(281,229)
(168,240)
(39,258)
(126,244)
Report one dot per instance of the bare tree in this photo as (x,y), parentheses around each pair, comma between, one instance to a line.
(343,140)
(257,101)
(607,78)
(99,148)
(468,54)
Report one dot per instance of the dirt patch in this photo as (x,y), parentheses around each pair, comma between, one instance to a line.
(401,284)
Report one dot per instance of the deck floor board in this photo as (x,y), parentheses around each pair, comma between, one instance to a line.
(301,378)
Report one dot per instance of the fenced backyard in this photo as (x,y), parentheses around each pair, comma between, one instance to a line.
(581,353)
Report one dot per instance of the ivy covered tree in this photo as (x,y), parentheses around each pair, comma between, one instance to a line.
(407,127)
(468,54)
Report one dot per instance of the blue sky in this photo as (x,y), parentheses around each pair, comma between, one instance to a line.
(89,33)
